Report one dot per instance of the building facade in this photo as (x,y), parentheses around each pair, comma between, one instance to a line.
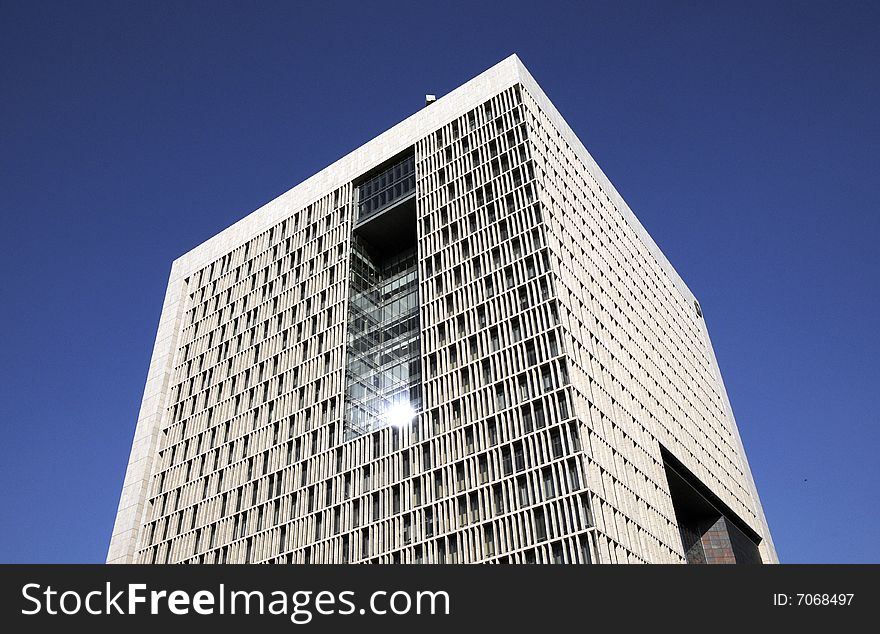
(454,345)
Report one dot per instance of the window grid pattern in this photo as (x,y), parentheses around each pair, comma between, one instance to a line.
(253,466)
(555,355)
(257,386)
(494,369)
(640,365)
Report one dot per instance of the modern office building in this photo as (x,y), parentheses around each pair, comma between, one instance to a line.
(455,344)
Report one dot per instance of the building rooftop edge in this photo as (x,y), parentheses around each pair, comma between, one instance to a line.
(577,145)
(465,97)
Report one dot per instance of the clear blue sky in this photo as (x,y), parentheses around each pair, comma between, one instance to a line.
(745,139)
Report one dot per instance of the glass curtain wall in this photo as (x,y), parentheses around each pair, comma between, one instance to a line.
(387,188)
(384,366)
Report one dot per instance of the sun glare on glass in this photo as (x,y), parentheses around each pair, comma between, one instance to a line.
(400,413)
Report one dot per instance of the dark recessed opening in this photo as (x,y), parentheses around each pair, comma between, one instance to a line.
(711,533)
(391,230)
